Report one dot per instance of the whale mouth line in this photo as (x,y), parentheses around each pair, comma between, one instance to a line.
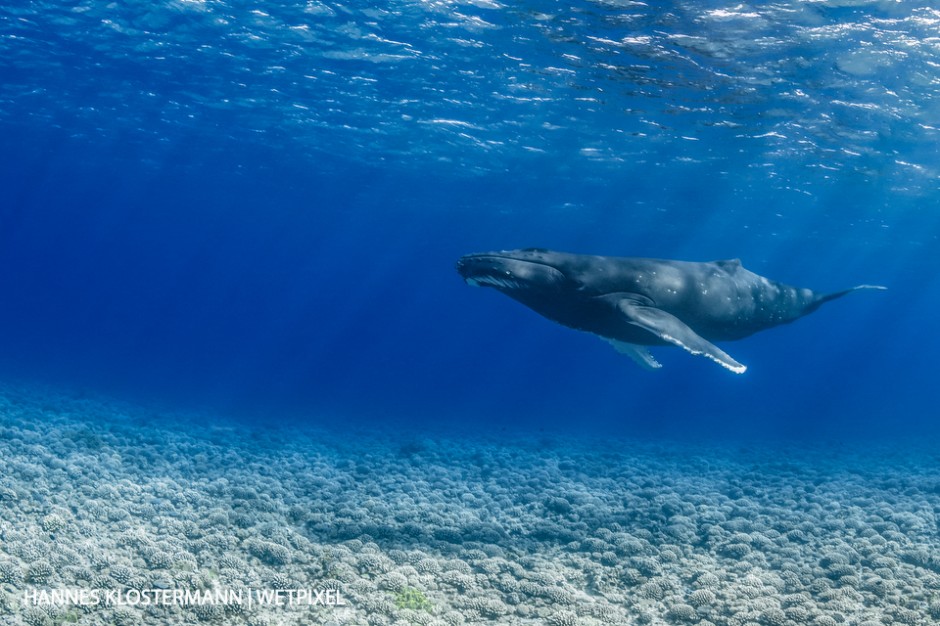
(492,281)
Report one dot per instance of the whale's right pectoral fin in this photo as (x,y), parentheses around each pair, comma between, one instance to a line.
(671,329)
(639,354)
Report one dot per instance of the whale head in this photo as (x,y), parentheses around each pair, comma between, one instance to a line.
(513,272)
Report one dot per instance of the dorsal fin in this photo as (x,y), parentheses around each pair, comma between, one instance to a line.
(729,264)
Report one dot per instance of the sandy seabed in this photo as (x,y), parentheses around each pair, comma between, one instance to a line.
(115,514)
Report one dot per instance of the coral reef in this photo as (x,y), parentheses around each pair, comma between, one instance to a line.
(417,529)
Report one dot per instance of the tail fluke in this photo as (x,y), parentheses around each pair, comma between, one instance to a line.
(838,294)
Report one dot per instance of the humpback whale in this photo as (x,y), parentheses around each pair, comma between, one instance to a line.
(636,302)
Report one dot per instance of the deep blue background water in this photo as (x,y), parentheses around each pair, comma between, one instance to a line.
(257,209)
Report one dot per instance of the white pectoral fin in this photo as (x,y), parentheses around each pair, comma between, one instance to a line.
(638,353)
(671,329)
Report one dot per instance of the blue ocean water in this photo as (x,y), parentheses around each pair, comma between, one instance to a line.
(257,207)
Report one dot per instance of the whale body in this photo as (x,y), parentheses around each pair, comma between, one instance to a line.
(637,302)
